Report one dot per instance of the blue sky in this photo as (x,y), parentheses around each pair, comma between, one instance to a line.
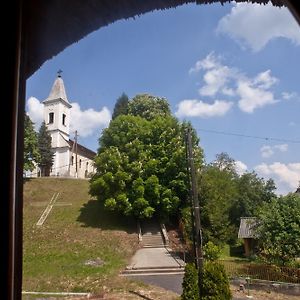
(231,69)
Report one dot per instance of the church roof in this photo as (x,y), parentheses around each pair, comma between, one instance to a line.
(83,150)
(58,91)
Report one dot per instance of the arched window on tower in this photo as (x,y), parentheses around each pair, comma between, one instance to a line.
(72,160)
(79,163)
(64,119)
(51,118)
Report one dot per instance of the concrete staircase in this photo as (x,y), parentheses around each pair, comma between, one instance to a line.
(154,257)
(151,235)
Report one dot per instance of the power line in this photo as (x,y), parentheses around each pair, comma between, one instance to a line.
(250,136)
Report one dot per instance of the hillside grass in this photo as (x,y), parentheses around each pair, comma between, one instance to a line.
(80,247)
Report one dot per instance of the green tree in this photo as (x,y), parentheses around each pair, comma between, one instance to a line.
(141,165)
(190,290)
(149,107)
(217,190)
(31,153)
(46,153)
(121,106)
(252,192)
(278,230)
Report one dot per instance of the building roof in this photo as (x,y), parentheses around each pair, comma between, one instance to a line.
(58,92)
(51,26)
(247,228)
(83,150)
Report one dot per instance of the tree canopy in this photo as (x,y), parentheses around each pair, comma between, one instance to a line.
(31,152)
(141,163)
(121,106)
(278,229)
(46,153)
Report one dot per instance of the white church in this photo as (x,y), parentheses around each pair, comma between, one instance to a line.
(70,158)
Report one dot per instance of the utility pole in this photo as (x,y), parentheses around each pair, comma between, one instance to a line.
(196,209)
(76,168)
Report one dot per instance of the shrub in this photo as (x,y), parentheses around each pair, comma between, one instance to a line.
(190,283)
(215,283)
(211,251)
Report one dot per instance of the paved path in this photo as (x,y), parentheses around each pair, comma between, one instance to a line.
(155,258)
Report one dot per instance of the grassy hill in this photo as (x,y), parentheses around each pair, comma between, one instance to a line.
(80,247)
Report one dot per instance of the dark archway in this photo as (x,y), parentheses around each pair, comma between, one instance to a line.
(35,31)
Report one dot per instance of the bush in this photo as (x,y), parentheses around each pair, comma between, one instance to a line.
(211,251)
(215,283)
(190,283)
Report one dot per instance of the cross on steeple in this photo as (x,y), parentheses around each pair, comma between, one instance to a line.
(59,73)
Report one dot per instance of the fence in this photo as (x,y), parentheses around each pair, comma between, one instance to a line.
(263,272)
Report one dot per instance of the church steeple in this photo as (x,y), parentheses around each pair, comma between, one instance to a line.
(57,113)
(58,91)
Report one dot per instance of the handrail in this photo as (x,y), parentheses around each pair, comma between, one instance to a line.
(139,231)
(164,233)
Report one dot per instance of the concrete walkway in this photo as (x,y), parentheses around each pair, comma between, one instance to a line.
(162,257)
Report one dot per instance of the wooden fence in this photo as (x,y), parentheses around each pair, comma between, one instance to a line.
(262,272)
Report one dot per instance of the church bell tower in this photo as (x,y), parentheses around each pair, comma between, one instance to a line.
(57,119)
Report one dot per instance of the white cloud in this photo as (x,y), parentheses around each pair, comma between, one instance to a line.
(216,76)
(253,94)
(288,96)
(198,108)
(254,25)
(267,151)
(35,110)
(286,176)
(209,62)
(282,147)
(86,122)
(240,167)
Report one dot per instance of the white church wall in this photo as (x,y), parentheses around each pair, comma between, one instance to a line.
(61,162)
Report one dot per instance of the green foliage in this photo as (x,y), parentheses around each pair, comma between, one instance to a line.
(142,158)
(215,282)
(121,106)
(31,153)
(190,289)
(225,197)
(279,229)
(45,150)
(149,107)
(211,252)
(252,192)
(217,190)
(214,286)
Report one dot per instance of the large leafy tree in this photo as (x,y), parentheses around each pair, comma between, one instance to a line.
(46,153)
(217,190)
(31,153)
(141,165)
(121,106)
(149,107)
(252,192)
(278,229)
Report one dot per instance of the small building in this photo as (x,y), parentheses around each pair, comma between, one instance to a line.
(247,233)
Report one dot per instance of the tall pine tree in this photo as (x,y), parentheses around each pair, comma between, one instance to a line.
(121,106)
(46,154)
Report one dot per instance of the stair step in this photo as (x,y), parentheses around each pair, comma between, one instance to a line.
(153,270)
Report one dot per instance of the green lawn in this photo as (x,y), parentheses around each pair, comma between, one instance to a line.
(80,247)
